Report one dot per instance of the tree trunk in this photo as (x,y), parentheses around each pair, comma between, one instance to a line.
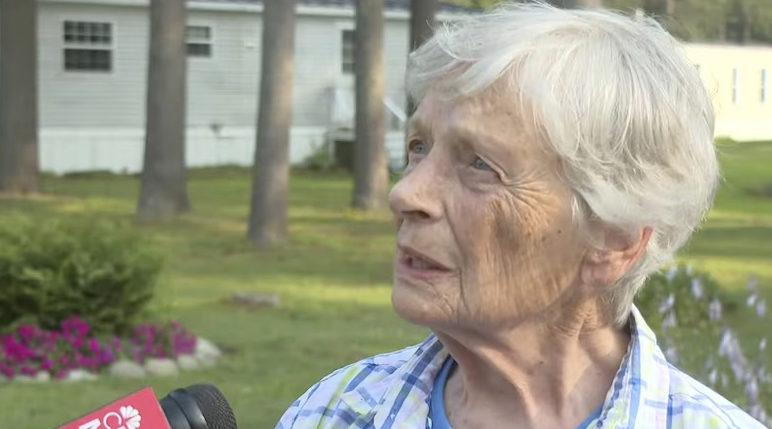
(422,18)
(163,189)
(371,174)
(18,97)
(744,32)
(670,8)
(270,175)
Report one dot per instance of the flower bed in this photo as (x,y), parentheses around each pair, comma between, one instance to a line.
(29,350)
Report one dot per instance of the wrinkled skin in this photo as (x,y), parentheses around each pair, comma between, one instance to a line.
(511,287)
(505,229)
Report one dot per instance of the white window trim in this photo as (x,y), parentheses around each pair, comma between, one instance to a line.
(344,80)
(211,42)
(735,85)
(764,85)
(74,45)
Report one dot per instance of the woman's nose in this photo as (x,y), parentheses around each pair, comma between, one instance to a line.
(417,194)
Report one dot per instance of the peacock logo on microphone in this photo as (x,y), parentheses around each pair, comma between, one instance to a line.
(128,418)
(128,412)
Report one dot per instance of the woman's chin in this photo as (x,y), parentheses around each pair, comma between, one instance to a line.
(414,303)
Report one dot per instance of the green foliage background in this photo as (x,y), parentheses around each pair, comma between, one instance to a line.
(693,20)
(52,269)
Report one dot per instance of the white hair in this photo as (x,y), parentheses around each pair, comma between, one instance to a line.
(614,96)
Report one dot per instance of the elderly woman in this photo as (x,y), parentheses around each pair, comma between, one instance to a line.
(556,159)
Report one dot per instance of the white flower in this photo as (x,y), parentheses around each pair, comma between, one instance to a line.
(697,289)
(752,286)
(667,304)
(671,273)
(671,355)
(752,391)
(714,310)
(751,299)
(670,321)
(131,417)
(761,307)
(713,377)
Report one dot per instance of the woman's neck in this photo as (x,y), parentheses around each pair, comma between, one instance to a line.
(545,374)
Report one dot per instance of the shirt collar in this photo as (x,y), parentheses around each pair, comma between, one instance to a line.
(403,395)
(642,377)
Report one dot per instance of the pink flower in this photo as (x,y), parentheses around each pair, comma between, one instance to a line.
(46,365)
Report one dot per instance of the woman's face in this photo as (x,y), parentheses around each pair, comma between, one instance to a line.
(485,238)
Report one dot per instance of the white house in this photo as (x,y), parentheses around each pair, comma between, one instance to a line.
(93,68)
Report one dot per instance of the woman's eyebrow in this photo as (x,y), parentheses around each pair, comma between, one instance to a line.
(416,123)
(476,138)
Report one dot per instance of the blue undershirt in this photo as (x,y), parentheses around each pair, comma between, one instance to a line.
(438,418)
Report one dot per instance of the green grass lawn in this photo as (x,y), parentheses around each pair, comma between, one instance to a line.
(333,279)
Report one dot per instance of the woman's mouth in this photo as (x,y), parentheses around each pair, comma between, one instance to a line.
(412,264)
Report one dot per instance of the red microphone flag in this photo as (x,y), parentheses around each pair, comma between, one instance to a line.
(139,410)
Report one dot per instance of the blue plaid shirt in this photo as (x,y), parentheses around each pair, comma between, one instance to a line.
(392,390)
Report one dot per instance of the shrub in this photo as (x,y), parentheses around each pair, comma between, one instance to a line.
(52,271)
(686,311)
(681,293)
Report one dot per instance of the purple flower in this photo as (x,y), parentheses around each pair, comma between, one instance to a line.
(76,342)
(94,346)
(27,332)
(106,356)
(7,370)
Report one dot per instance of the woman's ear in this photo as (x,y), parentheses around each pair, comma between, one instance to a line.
(603,267)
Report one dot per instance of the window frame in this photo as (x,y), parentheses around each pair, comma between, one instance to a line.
(735,85)
(344,62)
(209,42)
(71,45)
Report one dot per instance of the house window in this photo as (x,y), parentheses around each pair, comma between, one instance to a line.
(735,85)
(88,46)
(347,52)
(199,40)
(763,85)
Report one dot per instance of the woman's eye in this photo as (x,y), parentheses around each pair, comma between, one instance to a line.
(418,147)
(480,164)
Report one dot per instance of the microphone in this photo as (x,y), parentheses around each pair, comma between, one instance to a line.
(200,406)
